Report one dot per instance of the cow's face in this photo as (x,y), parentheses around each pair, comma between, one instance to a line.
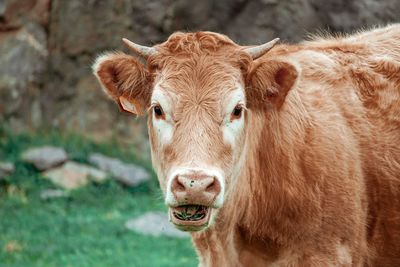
(193,90)
(197,130)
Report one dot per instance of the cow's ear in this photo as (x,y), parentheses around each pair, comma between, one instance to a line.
(268,83)
(125,80)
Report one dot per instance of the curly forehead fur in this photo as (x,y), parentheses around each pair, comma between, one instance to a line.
(200,66)
(202,50)
(196,42)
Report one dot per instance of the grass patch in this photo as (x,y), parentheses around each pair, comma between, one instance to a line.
(87,227)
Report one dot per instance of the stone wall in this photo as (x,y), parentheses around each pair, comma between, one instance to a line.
(48,46)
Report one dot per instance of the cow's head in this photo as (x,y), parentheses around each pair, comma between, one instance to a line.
(198,90)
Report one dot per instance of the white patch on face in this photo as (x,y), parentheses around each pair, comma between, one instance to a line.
(164,128)
(237,167)
(213,172)
(233,128)
(343,254)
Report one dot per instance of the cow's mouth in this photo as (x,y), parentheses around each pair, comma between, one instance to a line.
(190,217)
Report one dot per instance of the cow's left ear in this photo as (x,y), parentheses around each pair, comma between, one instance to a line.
(125,80)
(268,83)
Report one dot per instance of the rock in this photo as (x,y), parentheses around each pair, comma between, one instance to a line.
(154,224)
(128,174)
(52,193)
(23,57)
(45,74)
(45,157)
(15,13)
(73,175)
(6,168)
(23,61)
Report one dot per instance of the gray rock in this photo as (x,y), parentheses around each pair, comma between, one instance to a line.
(6,168)
(52,193)
(15,13)
(23,56)
(45,157)
(154,224)
(128,174)
(72,175)
(45,74)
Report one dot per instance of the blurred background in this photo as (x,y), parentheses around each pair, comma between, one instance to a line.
(76,185)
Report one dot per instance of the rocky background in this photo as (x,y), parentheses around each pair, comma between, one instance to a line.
(48,46)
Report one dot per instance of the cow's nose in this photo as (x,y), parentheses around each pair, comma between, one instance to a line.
(196,189)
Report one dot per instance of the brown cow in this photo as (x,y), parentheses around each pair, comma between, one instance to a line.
(285,158)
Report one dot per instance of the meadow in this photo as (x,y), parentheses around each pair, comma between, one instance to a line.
(86,228)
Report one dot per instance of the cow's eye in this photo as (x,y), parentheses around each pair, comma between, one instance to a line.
(237,112)
(158,112)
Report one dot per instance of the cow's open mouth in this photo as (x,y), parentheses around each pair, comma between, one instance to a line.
(190,217)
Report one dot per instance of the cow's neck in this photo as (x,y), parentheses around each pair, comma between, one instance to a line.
(271,201)
(271,197)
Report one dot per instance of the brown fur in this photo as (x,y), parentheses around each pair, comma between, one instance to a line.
(321,181)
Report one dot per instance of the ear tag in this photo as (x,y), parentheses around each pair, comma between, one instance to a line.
(127,105)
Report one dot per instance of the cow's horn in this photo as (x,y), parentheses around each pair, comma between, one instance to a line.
(257,51)
(140,51)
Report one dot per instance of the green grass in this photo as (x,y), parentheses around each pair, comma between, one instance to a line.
(86,228)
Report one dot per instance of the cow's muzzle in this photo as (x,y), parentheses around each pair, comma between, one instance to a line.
(195,194)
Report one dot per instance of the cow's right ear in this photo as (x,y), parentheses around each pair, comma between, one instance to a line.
(269,82)
(125,80)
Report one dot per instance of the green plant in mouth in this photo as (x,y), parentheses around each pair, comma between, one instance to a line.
(191,213)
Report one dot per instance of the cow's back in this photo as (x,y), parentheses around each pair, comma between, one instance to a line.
(357,79)
(377,83)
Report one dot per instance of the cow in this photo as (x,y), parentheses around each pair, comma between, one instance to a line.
(276,154)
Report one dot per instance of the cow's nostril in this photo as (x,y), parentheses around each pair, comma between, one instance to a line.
(211,185)
(214,186)
(195,189)
(195,185)
(179,184)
